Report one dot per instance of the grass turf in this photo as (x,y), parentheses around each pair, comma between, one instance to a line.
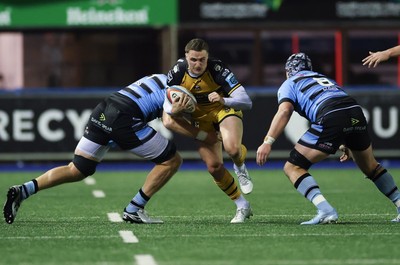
(68,225)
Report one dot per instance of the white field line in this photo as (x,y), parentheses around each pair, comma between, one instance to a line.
(56,237)
(145,260)
(114,217)
(98,194)
(332,262)
(89,181)
(128,236)
(285,215)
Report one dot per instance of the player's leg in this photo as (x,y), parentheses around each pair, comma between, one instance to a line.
(231,129)
(212,156)
(359,142)
(167,162)
(382,179)
(296,169)
(87,155)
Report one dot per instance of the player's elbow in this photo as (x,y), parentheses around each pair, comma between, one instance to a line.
(168,122)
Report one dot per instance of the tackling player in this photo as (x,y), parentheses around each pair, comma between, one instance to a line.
(122,118)
(337,121)
(220,101)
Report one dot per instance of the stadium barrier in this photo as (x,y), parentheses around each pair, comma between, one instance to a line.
(47,124)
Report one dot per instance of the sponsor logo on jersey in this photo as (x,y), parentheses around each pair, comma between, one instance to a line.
(225,72)
(217,67)
(354,121)
(102,117)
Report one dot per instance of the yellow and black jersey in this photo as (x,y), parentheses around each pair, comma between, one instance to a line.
(217,78)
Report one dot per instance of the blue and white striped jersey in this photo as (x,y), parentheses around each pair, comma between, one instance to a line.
(148,93)
(307,90)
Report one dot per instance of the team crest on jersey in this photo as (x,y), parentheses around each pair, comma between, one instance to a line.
(217,67)
(227,109)
(175,69)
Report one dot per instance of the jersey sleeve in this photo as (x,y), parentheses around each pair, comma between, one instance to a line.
(175,75)
(286,92)
(223,76)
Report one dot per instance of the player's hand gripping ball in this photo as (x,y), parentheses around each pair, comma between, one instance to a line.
(175,92)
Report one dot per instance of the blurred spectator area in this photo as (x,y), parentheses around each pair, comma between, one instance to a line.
(116,57)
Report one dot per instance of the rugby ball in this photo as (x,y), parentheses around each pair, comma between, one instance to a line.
(175,92)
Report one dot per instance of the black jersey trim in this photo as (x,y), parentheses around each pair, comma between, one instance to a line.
(158,81)
(146,87)
(307,87)
(130,91)
(307,76)
(316,94)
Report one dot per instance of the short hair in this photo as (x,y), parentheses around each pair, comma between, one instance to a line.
(297,62)
(196,45)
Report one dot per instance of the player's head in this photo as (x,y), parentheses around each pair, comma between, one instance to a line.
(196,53)
(297,62)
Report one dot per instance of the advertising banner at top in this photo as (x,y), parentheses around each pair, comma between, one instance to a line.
(288,10)
(86,13)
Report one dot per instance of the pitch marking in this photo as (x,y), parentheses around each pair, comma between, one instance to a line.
(128,236)
(145,260)
(98,194)
(114,217)
(89,181)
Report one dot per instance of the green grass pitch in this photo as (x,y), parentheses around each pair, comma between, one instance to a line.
(68,225)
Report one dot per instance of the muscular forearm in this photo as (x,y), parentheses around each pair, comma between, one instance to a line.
(393,52)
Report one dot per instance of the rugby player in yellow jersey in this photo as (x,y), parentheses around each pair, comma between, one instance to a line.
(220,101)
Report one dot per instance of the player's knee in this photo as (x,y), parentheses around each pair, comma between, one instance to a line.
(85,166)
(175,162)
(299,160)
(215,168)
(232,151)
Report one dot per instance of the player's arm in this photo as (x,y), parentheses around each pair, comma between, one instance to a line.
(374,58)
(238,99)
(180,125)
(278,124)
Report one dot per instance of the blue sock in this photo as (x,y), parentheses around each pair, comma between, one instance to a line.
(138,202)
(29,188)
(385,184)
(309,188)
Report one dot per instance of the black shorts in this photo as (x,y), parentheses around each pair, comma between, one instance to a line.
(345,126)
(122,122)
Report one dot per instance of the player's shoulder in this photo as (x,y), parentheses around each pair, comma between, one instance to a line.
(176,73)
(215,65)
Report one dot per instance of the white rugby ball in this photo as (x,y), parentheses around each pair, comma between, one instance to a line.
(175,92)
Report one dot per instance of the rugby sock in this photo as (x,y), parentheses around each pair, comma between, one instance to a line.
(228,185)
(138,202)
(385,184)
(28,188)
(239,164)
(241,202)
(309,188)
